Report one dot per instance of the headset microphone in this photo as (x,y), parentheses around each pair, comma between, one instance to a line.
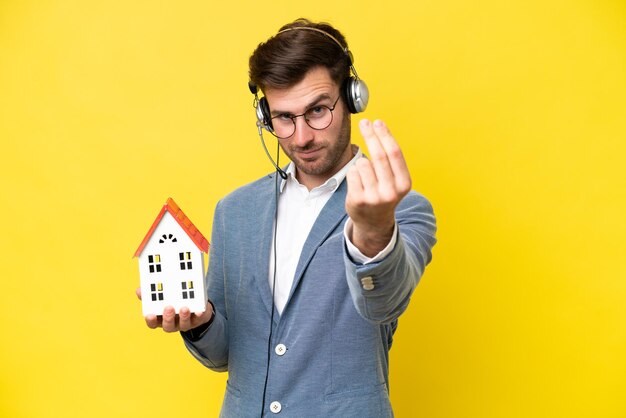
(280,171)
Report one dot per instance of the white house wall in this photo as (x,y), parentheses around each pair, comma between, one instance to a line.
(171,275)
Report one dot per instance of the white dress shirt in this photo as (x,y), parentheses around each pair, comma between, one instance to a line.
(298,209)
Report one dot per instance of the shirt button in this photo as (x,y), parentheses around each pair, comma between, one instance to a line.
(275,407)
(280,349)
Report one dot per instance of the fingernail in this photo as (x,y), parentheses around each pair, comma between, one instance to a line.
(364,123)
(379,123)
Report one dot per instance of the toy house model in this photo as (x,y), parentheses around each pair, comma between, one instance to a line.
(171,263)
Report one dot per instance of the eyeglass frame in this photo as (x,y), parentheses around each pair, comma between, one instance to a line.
(294,117)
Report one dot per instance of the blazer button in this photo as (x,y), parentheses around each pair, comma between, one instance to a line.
(280,349)
(275,407)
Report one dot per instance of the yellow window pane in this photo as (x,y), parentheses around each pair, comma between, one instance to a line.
(190,285)
(157,258)
(160,287)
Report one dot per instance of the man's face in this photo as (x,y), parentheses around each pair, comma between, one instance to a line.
(317,154)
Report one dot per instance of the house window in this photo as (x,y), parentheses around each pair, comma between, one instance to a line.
(167,237)
(156,291)
(188,292)
(154,263)
(185,260)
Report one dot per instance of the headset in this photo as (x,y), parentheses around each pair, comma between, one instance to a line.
(353,89)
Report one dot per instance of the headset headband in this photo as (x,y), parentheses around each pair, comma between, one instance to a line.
(335,40)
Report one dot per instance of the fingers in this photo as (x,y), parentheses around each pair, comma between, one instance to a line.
(355,185)
(378,155)
(152,321)
(386,157)
(184,319)
(375,187)
(369,179)
(169,319)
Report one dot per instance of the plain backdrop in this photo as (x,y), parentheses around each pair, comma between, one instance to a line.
(511,115)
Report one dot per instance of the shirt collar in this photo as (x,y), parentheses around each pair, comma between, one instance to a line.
(333,182)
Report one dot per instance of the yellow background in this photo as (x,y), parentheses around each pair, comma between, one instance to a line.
(512,118)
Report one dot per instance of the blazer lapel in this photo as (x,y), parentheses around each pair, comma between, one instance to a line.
(331,215)
(265,206)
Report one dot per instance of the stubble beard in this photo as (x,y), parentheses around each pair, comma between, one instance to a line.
(335,152)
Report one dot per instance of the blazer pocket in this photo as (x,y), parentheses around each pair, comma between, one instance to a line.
(365,391)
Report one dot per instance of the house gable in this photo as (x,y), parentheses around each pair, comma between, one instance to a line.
(169,240)
(183,221)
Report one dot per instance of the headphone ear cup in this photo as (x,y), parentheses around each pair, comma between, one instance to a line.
(263,114)
(356,93)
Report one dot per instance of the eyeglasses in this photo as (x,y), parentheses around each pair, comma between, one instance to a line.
(318,117)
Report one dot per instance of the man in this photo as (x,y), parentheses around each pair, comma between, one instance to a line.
(304,294)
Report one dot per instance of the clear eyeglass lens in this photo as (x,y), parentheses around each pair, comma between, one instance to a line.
(318,118)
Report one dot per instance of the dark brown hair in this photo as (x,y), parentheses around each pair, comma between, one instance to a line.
(284,59)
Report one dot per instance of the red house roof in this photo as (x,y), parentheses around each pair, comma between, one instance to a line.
(184,222)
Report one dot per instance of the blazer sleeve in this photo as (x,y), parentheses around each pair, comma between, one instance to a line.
(381,290)
(211,349)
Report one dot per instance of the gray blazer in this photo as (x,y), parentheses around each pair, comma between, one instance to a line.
(328,356)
